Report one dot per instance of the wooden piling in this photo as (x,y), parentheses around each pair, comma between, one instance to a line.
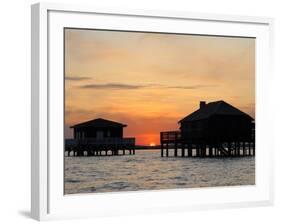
(210,151)
(197,151)
(203,150)
(189,150)
(176,149)
(182,149)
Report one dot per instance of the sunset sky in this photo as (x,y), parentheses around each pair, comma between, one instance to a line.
(150,81)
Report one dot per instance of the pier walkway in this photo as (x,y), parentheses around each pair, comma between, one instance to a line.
(173,144)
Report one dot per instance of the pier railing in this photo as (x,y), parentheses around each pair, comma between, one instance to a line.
(170,136)
(104,141)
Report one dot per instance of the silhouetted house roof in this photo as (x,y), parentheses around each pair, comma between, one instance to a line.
(213,108)
(99,123)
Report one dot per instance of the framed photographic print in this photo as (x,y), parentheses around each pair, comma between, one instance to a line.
(147,111)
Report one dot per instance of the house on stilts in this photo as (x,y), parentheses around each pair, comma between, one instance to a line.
(215,129)
(99,137)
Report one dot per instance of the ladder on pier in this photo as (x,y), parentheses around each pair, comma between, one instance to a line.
(223,151)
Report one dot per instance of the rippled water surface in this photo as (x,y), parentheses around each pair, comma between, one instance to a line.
(146,170)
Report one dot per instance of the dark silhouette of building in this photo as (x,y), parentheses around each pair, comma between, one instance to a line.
(217,121)
(99,137)
(98,129)
(215,129)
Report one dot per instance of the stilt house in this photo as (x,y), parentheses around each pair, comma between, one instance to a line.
(217,121)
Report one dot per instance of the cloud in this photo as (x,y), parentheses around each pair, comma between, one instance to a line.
(73,78)
(129,86)
(112,86)
(191,87)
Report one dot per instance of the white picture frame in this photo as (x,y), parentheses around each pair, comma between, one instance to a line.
(48,201)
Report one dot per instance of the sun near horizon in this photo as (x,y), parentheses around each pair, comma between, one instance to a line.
(150,81)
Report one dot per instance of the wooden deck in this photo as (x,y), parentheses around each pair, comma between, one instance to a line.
(172,142)
(100,147)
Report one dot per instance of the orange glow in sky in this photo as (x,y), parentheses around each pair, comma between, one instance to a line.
(150,81)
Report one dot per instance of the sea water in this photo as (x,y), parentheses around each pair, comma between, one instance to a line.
(147,170)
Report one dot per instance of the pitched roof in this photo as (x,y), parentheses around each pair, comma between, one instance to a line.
(99,123)
(214,108)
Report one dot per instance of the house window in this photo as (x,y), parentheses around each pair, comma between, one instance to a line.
(99,134)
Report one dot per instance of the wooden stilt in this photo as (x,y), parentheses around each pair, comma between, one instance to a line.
(239,148)
(210,152)
(197,151)
(254,148)
(189,150)
(176,149)
(204,148)
(182,149)
(216,151)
